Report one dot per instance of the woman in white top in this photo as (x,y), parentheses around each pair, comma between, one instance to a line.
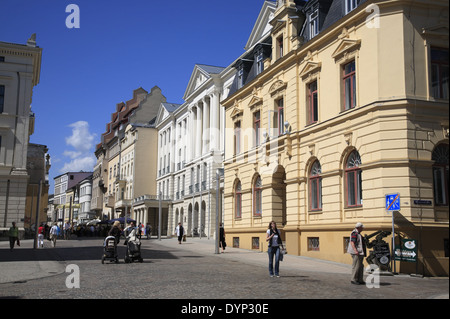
(274,239)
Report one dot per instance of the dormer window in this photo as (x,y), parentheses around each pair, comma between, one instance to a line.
(259,63)
(280,47)
(350,5)
(314,23)
(240,78)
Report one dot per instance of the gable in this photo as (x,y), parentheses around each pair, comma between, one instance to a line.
(346,45)
(162,114)
(262,26)
(200,75)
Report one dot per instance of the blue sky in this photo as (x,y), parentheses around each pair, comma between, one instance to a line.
(120,46)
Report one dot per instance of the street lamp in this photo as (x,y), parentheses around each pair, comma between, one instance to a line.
(219,172)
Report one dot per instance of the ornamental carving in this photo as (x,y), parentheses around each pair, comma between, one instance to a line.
(278,86)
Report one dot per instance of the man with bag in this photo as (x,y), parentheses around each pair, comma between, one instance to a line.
(357,248)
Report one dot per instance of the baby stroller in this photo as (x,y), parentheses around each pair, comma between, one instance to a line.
(133,248)
(110,250)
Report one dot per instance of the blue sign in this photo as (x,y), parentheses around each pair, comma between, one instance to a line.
(392,202)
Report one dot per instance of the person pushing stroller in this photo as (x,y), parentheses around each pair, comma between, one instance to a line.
(110,244)
(133,244)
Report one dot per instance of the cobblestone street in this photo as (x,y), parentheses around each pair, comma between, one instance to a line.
(192,271)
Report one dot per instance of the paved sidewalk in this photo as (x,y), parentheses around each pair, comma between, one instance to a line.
(291,262)
(25,263)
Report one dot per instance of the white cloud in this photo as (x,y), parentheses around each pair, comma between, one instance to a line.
(72,154)
(81,140)
(82,157)
(85,164)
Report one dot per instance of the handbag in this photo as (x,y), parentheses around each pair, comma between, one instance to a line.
(282,252)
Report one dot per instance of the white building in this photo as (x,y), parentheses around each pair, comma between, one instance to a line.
(63,203)
(191,149)
(84,198)
(20,67)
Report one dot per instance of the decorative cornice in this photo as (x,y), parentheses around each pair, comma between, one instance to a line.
(346,45)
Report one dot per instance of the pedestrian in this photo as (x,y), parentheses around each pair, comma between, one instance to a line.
(148,230)
(66,230)
(357,248)
(140,231)
(132,227)
(13,236)
(274,239)
(180,232)
(41,234)
(115,231)
(222,242)
(54,231)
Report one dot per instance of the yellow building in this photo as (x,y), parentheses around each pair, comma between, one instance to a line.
(336,106)
(125,174)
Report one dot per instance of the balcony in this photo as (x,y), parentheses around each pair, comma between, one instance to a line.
(109,200)
(143,198)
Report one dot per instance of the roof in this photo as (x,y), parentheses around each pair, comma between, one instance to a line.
(211,69)
(75,178)
(171,107)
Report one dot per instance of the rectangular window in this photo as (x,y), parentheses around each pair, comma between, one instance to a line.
(237,138)
(314,23)
(235,242)
(257,127)
(439,73)
(354,190)
(313,102)
(280,47)
(316,193)
(349,84)
(255,242)
(238,204)
(257,192)
(2,98)
(440,185)
(351,5)
(240,78)
(259,63)
(313,244)
(280,104)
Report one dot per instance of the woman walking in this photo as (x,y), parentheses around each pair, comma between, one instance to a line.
(274,239)
(222,242)
(115,231)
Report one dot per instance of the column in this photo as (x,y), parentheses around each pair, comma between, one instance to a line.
(198,132)
(144,211)
(214,121)
(221,126)
(190,136)
(205,135)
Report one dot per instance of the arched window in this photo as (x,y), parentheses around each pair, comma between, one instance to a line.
(315,187)
(440,174)
(238,201)
(257,197)
(353,180)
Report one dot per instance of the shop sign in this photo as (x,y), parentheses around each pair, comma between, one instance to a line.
(407,251)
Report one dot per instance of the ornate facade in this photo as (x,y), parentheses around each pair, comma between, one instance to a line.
(349,104)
